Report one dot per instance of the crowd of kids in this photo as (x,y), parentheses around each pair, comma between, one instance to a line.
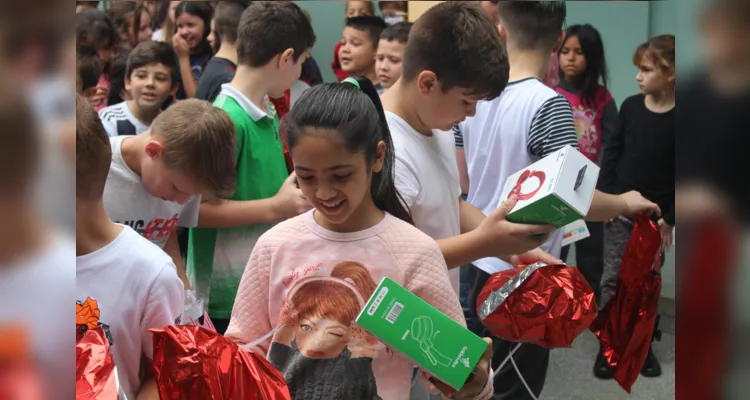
(213,163)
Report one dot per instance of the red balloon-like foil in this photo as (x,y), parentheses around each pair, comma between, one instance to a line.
(550,308)
(95,369)
(192,362)
(626,323)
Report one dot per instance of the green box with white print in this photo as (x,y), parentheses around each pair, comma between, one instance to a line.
(431,339)
(556,190)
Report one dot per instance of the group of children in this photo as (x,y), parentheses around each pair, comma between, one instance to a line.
(287,259)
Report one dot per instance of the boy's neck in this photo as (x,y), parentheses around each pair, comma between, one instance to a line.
(399,100)
(253,83)
(94,229)
(228,51)
(146,117)
(526,64)
(133,149)
(371,75)
(22,233)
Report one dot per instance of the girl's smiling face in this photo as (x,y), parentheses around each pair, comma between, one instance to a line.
(334,180)
(191,28)
(321,338)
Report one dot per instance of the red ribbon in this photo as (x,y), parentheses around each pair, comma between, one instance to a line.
(523,178)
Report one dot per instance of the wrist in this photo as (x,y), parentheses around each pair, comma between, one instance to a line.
(625,207)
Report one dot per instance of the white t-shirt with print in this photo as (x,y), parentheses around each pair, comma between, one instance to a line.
(426,175)
(128,202)
(118,120)
(134,286)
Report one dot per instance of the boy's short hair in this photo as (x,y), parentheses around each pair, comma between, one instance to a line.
(227,19)
(268,28)
(370,24)
(19,152)
(458,42)
(88,67)
(533,25)
(152,52)
(398,32)
(199,141)
(93,152)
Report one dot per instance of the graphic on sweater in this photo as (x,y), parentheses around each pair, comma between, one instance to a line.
(422,332)
(588,136)
(87,317)
(316,343)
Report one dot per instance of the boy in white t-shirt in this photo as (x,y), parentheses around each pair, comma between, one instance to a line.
(124,283)
(150,78)
(525,123)
(156,179)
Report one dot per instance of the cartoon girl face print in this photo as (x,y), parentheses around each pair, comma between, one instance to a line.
(585,122)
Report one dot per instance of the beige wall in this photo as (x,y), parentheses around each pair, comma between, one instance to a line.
(417,8)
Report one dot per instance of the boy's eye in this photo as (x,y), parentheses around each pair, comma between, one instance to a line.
(395,60)
(342,177)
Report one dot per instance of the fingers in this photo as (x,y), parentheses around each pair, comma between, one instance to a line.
(506,207)
(292,178)
(521,230)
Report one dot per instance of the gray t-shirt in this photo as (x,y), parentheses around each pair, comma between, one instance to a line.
(128,202)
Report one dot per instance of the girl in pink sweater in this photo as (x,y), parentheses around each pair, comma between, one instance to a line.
(309,277)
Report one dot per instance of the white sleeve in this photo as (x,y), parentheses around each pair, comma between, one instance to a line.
(109,125)
(407,182)
(164,305)
(189,214)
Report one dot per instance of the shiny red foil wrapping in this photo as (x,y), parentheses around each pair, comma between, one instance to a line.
(625,324)
(95,369)
(550,308)
(192,362)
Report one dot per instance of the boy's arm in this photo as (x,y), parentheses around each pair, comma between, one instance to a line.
(552,128)
(463,172)
(605,207)
(287,203)
(172,248)
(164,305)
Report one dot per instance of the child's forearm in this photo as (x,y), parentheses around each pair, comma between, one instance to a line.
(188,81)
(149,390)
(461,250)
(605,206)
(233,213)
(172,248)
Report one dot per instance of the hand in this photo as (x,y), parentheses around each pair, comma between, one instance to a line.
(361,343)
(99,97)
(637,204)
(180,46)
(534,256)
(505,238)
(476,384)
(666,235)
(289,201)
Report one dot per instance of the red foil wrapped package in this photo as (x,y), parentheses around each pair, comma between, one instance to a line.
(547,305)
(625,324)
(95,369)
(192,362)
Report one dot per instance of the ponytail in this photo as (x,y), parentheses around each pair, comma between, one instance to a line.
(384,192)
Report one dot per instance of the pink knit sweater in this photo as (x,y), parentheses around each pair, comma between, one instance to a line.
(303,287)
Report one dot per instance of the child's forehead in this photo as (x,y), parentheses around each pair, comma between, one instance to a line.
(357,32)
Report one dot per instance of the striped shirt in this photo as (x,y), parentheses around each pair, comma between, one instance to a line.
(119,121)
(526,123)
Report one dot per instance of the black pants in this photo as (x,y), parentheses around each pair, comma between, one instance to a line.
(532,360)
(590,256)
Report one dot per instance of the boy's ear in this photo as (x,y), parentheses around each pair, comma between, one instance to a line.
(175,88)
(154,148)
(560,40)
(377,164)
(287,56)
(427,81)
(127,84)
(503,33)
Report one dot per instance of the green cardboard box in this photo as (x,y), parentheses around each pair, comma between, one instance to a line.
(556,190)
(431,339)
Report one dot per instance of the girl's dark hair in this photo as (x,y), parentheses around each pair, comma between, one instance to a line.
(95,29)
(117,73)
(126,18)
(202,10)
(358,116)
(161,21)
(596,64)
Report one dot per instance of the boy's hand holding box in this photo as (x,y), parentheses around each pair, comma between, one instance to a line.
(411,326)
(556,190)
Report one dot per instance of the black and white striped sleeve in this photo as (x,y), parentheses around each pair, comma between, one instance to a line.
(459,136)
(552,128)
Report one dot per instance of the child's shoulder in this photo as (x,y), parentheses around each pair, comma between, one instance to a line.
(405,240)
(283,232)
(113,112)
